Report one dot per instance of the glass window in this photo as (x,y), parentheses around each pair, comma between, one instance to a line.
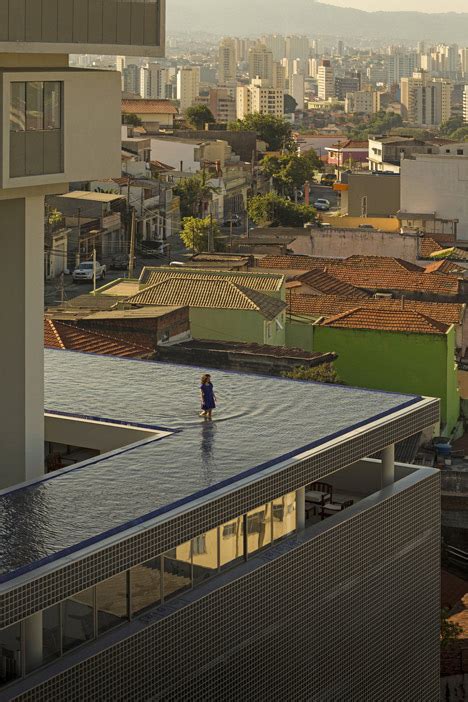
(10,653)
(112,602)
(146,585)
(52,105)
(259,528)
(78,619)
(284,515)
(205,556)
(231,542)
(34,106)
(177,570)
(18,107)
(51,647)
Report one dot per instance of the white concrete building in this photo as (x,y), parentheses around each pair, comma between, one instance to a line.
(59,125)
(326,81)
(259,97)
(227,64)
(465,104)
(188,86)
(434,190)
(261,63)
(361,102)
(427,100)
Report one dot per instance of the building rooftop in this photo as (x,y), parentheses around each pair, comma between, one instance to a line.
(91,196)
(330,305)
(209,293)
(300,263)
(432,283)
(405,322)
(385,262)
(428,245)
(262,282)
(327,284)
(60,335)
(150,107)
(74,508)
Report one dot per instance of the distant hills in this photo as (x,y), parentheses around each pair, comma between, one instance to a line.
(255,17)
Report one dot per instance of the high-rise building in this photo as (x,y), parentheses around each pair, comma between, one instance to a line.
(259,97)
(276,43)
(427,100)
(465,104)
(131,79)
(261,63)
(188,86)
(279,76)
(326,80)
(340,48)
(227,64)
(360,102)
(297,90)
(464,62)
(400,65)
(222,104)
(297,47)
(313,66)
(346,84)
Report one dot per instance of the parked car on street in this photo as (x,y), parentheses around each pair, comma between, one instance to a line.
(85,272)
(322,204)
(119,262)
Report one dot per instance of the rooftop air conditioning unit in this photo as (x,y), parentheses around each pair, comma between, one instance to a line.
(383,296)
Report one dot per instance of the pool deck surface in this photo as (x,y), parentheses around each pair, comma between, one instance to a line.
(259,421)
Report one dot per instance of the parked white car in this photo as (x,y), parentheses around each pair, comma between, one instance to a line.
(84,272)
(322,204)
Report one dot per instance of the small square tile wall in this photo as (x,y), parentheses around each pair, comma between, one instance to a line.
(351,615)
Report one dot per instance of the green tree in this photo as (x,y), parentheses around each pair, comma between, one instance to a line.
(275,131)
(451,125)
(325,373)
(195,192)
(131,120)
(201,234)
(199,115)
(275,211)
(290,171)
(450,632)
(380,123)
(460,134)
(290,104)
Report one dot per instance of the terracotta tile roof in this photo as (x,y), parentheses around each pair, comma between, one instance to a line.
(60,335)
(350,144)
(326,284)
(451,254)
(445,266)
(208,293)
(427,246)
(263,282)
(300,263)
(385,320)
(434,283)
(329,305)
(148,107)
(387,262)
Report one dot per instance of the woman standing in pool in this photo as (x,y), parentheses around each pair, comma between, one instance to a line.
(208,398)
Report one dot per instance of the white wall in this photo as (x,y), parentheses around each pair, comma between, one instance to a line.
(437,184)
(343,243)
(173,152)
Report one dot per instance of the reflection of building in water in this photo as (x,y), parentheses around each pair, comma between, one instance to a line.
(189,573)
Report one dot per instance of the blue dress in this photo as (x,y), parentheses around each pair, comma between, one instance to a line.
(208,402)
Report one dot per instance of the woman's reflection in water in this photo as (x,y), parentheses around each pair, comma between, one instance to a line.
(208,434)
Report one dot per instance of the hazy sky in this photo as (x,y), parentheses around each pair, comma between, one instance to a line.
(421,5)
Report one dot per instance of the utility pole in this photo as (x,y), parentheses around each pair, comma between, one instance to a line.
(131,261)
(211,237)
(94,266)
(79,238)
(62,289)
(231,224)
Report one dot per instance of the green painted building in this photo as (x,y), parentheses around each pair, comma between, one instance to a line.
(414,354)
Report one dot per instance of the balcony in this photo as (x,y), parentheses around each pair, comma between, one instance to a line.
(51,138)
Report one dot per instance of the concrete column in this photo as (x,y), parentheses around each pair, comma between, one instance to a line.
(388,466)
(300,508)
(21,317)
(33,641)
